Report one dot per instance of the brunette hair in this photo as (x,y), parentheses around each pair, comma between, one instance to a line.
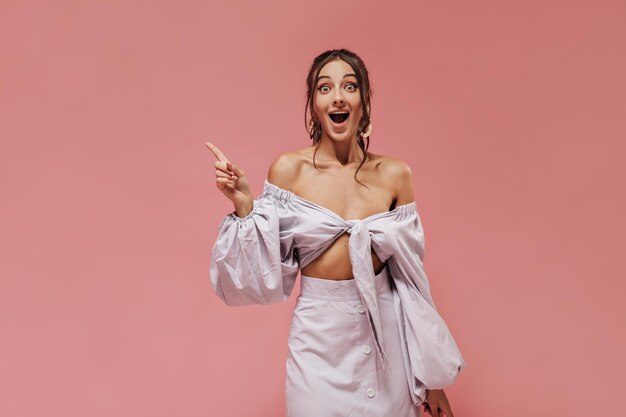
(365,91)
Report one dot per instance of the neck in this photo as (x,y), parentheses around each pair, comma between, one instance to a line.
(345,152)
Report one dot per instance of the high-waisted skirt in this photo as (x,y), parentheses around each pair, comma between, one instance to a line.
(332,366)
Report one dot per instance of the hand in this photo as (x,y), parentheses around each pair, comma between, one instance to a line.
(437,404)
(231,181)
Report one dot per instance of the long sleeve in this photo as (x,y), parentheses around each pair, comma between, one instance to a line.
(433,358)
(254,259)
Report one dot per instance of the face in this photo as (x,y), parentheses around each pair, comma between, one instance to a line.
(337,92)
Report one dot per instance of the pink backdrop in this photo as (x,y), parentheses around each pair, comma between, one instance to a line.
(511,115)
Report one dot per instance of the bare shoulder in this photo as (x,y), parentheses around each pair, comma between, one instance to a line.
(400,175)
(285,168)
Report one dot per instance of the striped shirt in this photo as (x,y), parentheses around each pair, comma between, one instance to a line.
(256,259)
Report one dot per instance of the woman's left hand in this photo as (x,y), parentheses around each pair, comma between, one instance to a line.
(437,403)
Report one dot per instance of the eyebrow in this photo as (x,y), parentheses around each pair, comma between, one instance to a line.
(326,76)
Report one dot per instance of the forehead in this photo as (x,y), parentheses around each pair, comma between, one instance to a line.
(335,69)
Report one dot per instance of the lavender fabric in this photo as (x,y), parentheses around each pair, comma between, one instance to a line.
(332,369)
(256,259)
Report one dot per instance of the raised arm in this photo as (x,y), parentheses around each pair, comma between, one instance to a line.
(254,259)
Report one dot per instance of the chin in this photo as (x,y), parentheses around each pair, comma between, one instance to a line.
(347,135)
(340,137)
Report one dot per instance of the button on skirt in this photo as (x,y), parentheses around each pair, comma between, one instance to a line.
(332,366)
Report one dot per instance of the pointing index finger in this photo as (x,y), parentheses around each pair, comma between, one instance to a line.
(218,154)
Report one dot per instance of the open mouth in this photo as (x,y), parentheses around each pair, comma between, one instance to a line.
(339,117)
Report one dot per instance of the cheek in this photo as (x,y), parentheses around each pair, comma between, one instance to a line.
(357,109)
(320,107)
(355,102)
(316,108)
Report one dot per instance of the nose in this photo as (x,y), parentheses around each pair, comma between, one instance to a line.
(338,97)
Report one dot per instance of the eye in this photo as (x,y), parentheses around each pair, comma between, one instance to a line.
(322,86)
(353,85)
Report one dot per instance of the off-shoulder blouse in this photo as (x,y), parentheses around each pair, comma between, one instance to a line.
(256,259)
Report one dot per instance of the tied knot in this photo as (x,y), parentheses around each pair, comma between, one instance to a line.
(360,246)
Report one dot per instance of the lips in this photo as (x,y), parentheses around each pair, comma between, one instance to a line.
(339,117)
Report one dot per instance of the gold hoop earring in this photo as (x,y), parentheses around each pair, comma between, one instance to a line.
(368,132)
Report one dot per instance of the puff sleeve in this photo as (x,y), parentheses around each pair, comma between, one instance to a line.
(432,356)
(254,259)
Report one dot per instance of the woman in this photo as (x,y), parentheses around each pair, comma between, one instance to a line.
(365,338)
